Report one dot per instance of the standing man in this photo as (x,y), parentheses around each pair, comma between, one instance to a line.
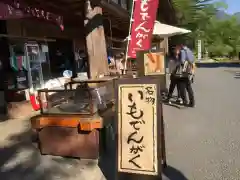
(187,60)
(174,79)
(119,63)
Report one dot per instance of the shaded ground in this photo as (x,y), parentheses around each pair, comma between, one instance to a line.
(20,160)
(202,143)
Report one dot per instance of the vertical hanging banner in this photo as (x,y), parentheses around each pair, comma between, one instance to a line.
(144,16)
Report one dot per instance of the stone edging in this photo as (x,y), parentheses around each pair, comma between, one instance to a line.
(217,64)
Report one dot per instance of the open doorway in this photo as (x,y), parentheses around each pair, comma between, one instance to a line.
(61,57)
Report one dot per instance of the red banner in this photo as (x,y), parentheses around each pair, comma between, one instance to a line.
(15,10)
(144,16)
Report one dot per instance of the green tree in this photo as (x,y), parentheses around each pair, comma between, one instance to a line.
(220,37)
(223,37)
(193,15)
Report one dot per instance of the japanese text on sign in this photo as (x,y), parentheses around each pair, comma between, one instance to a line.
(141,29)
(137,129)
(144,16)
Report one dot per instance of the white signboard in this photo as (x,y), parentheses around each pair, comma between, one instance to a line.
(137,129)
(199,50)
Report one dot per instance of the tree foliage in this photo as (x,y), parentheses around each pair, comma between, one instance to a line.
(221,37)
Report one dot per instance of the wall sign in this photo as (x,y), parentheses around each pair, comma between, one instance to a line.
(154,63)
(138,127)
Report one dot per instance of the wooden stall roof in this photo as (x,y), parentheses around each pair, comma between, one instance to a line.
(76,7)
(73,11)
(61,7)
(120,18)
(113,14)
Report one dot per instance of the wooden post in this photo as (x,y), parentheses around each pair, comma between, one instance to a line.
(166,45)
(4,60)
(95,40)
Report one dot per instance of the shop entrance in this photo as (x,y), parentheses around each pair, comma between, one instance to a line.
(29,66)
(37,64)
(34,63)
(61,57)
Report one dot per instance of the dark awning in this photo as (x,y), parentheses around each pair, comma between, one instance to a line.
(73,11)
(18,10)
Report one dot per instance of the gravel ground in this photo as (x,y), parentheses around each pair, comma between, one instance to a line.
(202,143)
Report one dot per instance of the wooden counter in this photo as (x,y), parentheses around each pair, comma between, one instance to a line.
(68,135)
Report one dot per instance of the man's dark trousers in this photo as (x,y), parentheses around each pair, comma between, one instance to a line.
(186,85)
(174,82)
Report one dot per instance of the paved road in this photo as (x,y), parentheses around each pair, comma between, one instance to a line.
(202,143)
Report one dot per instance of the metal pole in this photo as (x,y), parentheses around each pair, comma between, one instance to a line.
(128,38)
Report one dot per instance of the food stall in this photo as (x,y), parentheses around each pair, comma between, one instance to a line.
(72,119)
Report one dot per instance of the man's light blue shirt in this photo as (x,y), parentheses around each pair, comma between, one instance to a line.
(184,53)
(183,56)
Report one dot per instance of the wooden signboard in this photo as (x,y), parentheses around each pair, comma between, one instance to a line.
(139,129)
(152,63)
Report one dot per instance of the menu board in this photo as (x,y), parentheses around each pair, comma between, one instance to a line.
(140,134)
